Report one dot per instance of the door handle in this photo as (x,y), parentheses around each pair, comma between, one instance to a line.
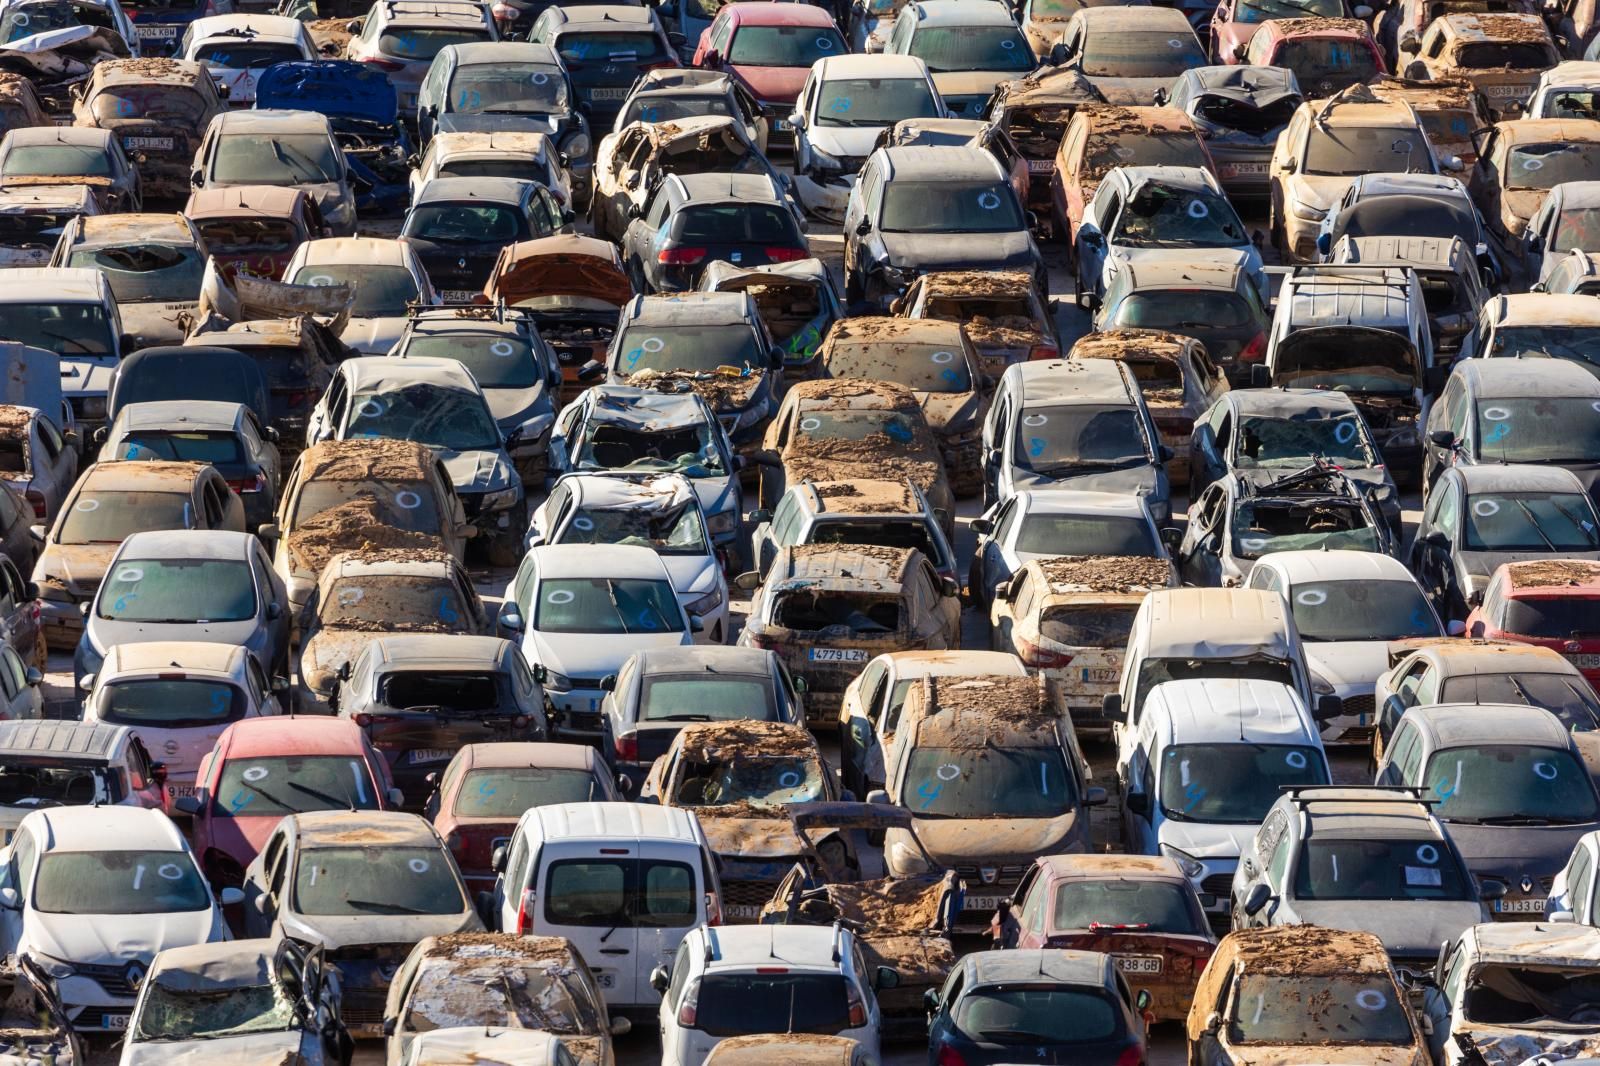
(613,951)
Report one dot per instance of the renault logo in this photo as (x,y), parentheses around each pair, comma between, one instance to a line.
(462,262)
(1527,884)
(135,975)
(170,747)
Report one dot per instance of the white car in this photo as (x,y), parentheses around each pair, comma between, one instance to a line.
(847,101)
(579,610)
(1566,90)
(179,696)
(663,514)
(1348,606)
(736,980)
(1575,893)
(92,893)
(237,48)
(387,276)
(490,1044)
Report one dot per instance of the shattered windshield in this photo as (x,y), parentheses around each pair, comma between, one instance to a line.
(1510,784)
(347,881)
(988,782)
(690,450)
(1162,216)
(274,785)
(140,273)
(450,993)
(173,1014)
(443,418)
(381,291)
(1531,522)
(678,531)
(1580,344)
(1261,527)
(1542,996)
(1268,1008)
(1293,442)
(1362,610)
(1550,429)
(1544,166)
(1080,436)
(1235,782)
(761,781)
(862,614)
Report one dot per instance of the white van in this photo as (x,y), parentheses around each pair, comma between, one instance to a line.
(1180,634)
(623,881)
(1209,758)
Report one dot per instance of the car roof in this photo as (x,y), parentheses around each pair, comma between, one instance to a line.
(142,227)
(262,25)
(272,120)
(983,711)
(1541,944)
(88,136)
(714,186)
(1097,867)
(859,497)
(1081,501)
(456,143)
(608,492)
(1456,725)
(1306,949)
(1578,194)
(961,13)
(1257,80)
(1527,130)
(271,201)
(105,828)
(216,966)
(877,65)
(1242,709)
(909,665)
(1459,657)
(597,560)
(493,189)
(61,284)
(715,658)
(1394,184)
(1025,966)
(471,53)
(590,17)
(408,562)
(1517,477)
(148,70)
(1359,112)
(1220,269)
(539,754)
(185,656)
(637,821)
(1340,565)
(291,735)
(763,13)
(1290,403)
(842,565)
(186,544)
(50,197)
(44,736)
(1552,578)
(384,251)
(426,12)
(1236,623)
(693,308)
(1542,308)
(632,405)
(179,415)
(331,829)
(744,947)
(410,650)
(1365,812)
(1493,26)
(1530,378)
(159,475)
(379,373)
(1076,381)
(1193,179)
(943,162)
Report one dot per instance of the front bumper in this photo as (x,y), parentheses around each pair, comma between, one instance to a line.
(825,199)
(1300,237)
(98,999)
(577,715)
(62,622)
(1242,170)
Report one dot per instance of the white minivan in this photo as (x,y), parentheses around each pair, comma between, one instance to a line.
(624,882)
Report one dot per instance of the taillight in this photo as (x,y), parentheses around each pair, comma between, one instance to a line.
(254,484)
(363,719)
(383,64)
(680,256)
(785,255)
(1256,350)
(524,918)
(858,1009)
(713,909)
(296,398)
(504,13)
(690,1004)
(627,747)
(1041,658)
(36,498)
(949,1056)
(1043,351)
(457,847)
(1131,1056)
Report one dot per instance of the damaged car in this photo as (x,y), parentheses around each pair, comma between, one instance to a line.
(459,226)
(154,263)
(695,219)
(1519,162)
(255,228)
(71,155)
(387,276)
(289,149)
(31,221)
(159,108)
(35,1022)
(83,34)
(1028,119)
(522,155)
(19,103)
(239,48)
(1001,311)
(1240,111)
(1500,54)
(1128,53)
(797,301)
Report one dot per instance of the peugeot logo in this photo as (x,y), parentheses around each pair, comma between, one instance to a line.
(170,747)
(988,874)
(135,975)
(1526,884)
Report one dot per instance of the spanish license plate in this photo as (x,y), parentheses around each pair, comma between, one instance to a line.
(781,125)
(180,791)
(1512,91)
(1139,963)
(1041,166)
(116,1022)
(1519,906)
(160,144)
(608,94)
(459,296)
(1585,662)
(1242,170)
(838,655)
(1103,675)
(429,755)
(982,903)
(605,979)
(143,31)
(743,911)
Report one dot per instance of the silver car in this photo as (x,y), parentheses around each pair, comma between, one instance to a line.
(38,458)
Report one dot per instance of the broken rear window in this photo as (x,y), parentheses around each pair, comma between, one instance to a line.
(690,450)
(1271,1008)
(1263,526)
(904,533)
(380,290)
(386,879)
(243,236)
(1096,625)
(1509,54)
(1528,995)
(13,456)
(1241,116)
(419,690)
(758,780)
(808,610)
(141,273)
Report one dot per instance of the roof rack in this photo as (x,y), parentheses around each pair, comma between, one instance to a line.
(1411,793)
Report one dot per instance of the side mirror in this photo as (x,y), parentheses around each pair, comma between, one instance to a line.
(1138,803)
(510,617)
(1258,898)
(863,227)
(1111,707)
(1171,539)
(1142,1000)
(621,1026)
(279,684)
(765,457)
(634,210)
(760,515)
(261,904)
(886,977)
(343,673)
(879,796)
(749,581)
(1409,45)
(930,997)
(981,526)
(9,899)
(187,805)
(949,586)
(1290,165)
(1213,1022)
(33,677)
(1160,97)
(1434,377)
(158,772)
(1092,237)
(608,683)
(1324,242)
(1095,796)
(1164,454)
(797,120)
(659,980)
(497,861)
(1437,539)
(388,1026)
(1453,163)
(1491,890)
(197,178)
(37,533)
(697,624)
(624,784)
(1475,598)
(274,611)
(396,798)
(1443,438)
(86,683)
(231,896)
(1456,627)
(1328,708)
(268,531)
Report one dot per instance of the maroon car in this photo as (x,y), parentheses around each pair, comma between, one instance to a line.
(770,48)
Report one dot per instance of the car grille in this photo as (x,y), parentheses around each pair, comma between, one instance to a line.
(1006,878)
(363,1006)
(471,504)
(1360,704)
(586,720)
(747,893)
(114,979)
(1219,885)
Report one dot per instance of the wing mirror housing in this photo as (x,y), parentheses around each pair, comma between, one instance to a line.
(189,805)
(1260,895)
(659,980)
(497,861)
(1328,708)
(1111,707)
(230,896)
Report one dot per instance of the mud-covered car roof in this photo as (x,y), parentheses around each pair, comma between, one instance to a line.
(1494,26)
(875,330)
(143,227)
(1578,577)
(981,710)
(745,187)
(1097,867)
(490,189)
(343,829)
(1132,345)
(1088,381)
(362,460)
(853,393)
(939,163)
(1220,269)
(686,79)
(746,738)
(150,70)
(75,198)
(1306,950)
(217,966)
(260,201)
(1455,725)
(1523,944)
(412,650)
(1462,657)
(1544,308)
(841,566)
(1049,87)
(1025,966)
(473,53)
(1290,403)
(792,1049)
(541,754)
(455,143)
(863,496)
(1318,26)
(1532,130)
(689,308)
(116,473)
(1532,378)
(180,415)
(1104,573)
(408,562)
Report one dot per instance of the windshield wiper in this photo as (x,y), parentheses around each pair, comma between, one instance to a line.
(321,795)
(1519,818)
(1534,522)
(1574,519)
(680,718)
(386,905)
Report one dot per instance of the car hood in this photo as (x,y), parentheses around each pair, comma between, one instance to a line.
(329,649)
(1331,1055)
(1412,928)
(334,933)
(457,122)
(1319,191)
(1129,92)
(1207,841)
(1523,204)
(695,574)
(993,840)
(970,82)
(1514,850)
(108,633)
(949,412)
(1482,564)
(777,85)
(336,88)
(115,939)
(242,837)
(373,336)
(1344,663)
(257,1049)
(477,471)
(1137,480)
(586,655)
(959,251)
(839,141)
(90,376)
(83,565)
(154,324)
(746,838)
(513,407)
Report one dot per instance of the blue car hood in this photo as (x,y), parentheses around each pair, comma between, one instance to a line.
(336,88)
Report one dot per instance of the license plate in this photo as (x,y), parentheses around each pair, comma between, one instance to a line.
(1041,166)
(429,755)
(1585,662)
(117,1022)
(155,31)
(1509,90)
(180,791)
(1139,963)
(1519,906)
(605,979)
(981,903)
(781,125)
(133,144)
(1236,170)
(743,910)
(838,655)
(1103,675)
(608,94)
(459,296)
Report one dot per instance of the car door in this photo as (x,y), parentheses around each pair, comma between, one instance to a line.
(17,874)
(1093,233)
(858,733)
(14,690)
(594,901)
(1202,542)
(19,624)
(60,467)
(1434,559)
(259,919)
(323,422)
(991,566)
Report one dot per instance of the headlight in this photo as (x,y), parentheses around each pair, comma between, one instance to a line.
(723,522)
(1307,213)
(1320,686)
(751,415)
(1192,867)
(825,162)
(1405,433)
(556,680)
(535,427)
(705,604)
(499,501)
(54,968)
(905,860)
(577,146)
(94,407)
(321,682)
(897,275)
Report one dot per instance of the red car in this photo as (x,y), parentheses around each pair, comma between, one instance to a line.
(770,48)
(262,769)
(479,798)
(1553,603)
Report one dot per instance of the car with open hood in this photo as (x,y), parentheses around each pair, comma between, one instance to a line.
(1500,54)
(798,301)
(769,50)
(35,156)
(1026,121)
(1128,53)
(159,109)
(1519,162)
(388,277)
(666,94)
(153,262)
(1241,110)
(289,149)
(238,48)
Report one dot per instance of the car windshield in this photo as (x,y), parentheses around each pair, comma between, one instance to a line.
(188,1015)
(1141,54)
(1233,783)
(671,531)
(57,160)
(1580,344)
(419,44)
(668,107)
(178,591)
(1547,429)
(1380,869)
(218,449)
(402,504)
(1369,609)
(705,697)
(381,291)
(275,159)
(1543,996)
(631,606)
(1129,904)
(163,703)
(507,791)
(958,48)
(784,46)
(147,272)
(1188,309)
(508,89)
(1351,1009)
(903,430)
(691,450)
(1544,166)
(466,223)
(538,995)
(1346,151)
(171,103)
(1071,534)
(949,207)
(441,417)
(110,517)
(1266,10)
(1531,522)
(873,101)
(1567,696)
(1152,148)
(495,360)
(68,329)
(375,603)
(347,881)
(1577,228)
(274,785)
(914,364)
(610,48)
(1078,436)
(1315,59)
(733,1004)
(696,348)
(119,882)
(762,781)
(1266,441)
(1037,1013)
(989,782)
(25,20)
(1261,527)
(1510,784)
(1165,216)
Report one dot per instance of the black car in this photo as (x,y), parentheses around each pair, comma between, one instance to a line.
(923,209)
(693,219)
(458,227)
(604,48)
(1037,1005)
(198,372)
